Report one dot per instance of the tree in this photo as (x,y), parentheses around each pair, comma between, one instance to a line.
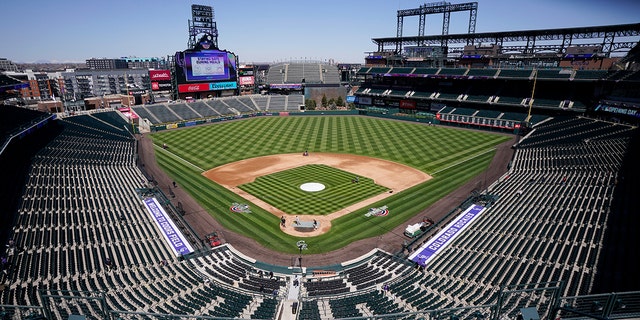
(310,104)
(339,101)
(324,102)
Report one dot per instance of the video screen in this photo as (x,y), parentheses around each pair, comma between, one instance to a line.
(209,65)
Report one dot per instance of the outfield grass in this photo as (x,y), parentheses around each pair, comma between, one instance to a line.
(282,189)
(449,155)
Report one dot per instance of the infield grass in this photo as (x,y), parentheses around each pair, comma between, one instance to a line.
(451,156)
(282,189)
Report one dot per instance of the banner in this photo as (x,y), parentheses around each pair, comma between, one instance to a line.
(407,104)
(156,86)
(432,247)
(195,87)
(291,86)
(364,100)
(171,234)
(159,75)
(223,85)
(246,80)
(130,114)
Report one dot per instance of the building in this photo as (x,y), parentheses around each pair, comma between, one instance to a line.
(105,63)
(145,63)
(110,101)
(42,85)
(80,84)
(126,63)
(7,65)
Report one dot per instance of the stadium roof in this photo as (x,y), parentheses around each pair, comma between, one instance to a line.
(612,37)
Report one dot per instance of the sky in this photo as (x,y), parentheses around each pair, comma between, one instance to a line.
(265,31)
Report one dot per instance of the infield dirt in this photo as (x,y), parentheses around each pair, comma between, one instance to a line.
(392,175)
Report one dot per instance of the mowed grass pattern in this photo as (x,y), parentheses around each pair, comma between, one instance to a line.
(450,155)
(282,189)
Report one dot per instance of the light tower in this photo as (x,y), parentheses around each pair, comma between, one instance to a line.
(202,23)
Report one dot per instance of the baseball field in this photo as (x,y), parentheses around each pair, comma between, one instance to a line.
(348,157)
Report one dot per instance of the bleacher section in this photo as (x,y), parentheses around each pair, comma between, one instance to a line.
(379,70)
(546,223)
(501,88)
(331,74)
(478,94)
(80,227)
(240,106)
(276,74)
(560,74)
(277,103)
(202,109)
(425,71)
(261,102)
(401,70)
(506,73)
(554,74)
(453,71)
(464,111)
(183,111)
(163,113)
(113,119)
(218,107)
(515,73)
(312,73)
(14,118)
(475,72)
(589,74)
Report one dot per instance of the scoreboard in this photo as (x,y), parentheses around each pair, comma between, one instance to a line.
(206,70)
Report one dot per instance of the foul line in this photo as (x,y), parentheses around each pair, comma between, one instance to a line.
(463,161)
(177,157)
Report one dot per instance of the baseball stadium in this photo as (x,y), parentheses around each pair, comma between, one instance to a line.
(458,181)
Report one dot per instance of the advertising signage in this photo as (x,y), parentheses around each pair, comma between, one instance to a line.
(160,80)
(193,87)
(246,80)
(160,75)
(206,65)
(407,104)
(160,86)
(291,86)
(223,85)
(211,86)
(205,70)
